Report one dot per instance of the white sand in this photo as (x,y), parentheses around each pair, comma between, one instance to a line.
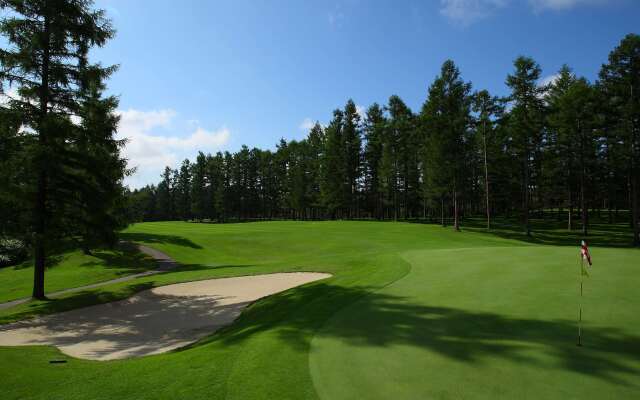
(153,321)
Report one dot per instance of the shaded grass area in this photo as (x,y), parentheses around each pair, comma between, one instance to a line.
(73,269)
(412,311)
(555,233)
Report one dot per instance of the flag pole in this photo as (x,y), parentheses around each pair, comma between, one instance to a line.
(580,312)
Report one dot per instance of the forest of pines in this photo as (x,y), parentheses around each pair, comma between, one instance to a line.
(570,147)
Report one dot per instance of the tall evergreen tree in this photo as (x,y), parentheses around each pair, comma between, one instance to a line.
(487,109)
(526,123)
(573,117)
(316,140)
(620,77)
(374,126)
(334,175)
(165,195)
(558,176)
(447,117)
(352,143)
(199,186)
(183,190)
(47,59)
(401,126)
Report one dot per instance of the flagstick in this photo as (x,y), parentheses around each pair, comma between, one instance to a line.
(580,314)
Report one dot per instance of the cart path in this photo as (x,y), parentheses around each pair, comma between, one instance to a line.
(165,263)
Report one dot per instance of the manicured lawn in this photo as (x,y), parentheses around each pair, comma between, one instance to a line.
(412,311)
(72,269)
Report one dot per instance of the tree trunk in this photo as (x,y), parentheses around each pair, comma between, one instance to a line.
(456,222)
(634,181)
(569,226)
(41,196)
(583,206)
(486,174)
(526,192)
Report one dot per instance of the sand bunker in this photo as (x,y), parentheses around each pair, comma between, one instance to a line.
(152,321)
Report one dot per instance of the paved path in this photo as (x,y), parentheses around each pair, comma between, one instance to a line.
(165,263)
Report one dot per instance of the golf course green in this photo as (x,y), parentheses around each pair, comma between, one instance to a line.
(411,311)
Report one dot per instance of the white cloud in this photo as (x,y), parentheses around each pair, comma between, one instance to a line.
(149,151)
(558,5)
(10,92)
(136,120)
(548,80)
(362,112)
(306,124)
(466,12)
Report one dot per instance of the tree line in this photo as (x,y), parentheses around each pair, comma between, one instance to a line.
(570,145)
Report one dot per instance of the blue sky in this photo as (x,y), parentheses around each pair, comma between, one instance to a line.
(213,75)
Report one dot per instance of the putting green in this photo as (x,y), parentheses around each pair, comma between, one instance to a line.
(487,323)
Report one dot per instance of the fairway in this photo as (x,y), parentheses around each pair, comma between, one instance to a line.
(411,311)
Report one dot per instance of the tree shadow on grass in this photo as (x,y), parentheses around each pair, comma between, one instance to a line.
(380,320)
(203,267)
(551,232)
(77,300)
(126,258)
(152,238)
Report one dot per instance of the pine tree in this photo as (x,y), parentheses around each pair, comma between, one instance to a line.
(165,196)
(199,187)
(316,141)
(401,126)
(574,109)
(487,109)
(526,123)
(333,167)
(183,191)
(446,115)
(90,184)
(46,58)
(559,163)
(374,126)
(621,79)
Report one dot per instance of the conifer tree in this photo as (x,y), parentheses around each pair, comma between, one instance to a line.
(374,126)
(620,77)
(447,117)
(352,143)
(199,187)
(334,175)
(46,59)
(526,123)
(487,109)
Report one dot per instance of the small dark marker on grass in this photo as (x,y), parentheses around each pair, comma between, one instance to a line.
(57,361)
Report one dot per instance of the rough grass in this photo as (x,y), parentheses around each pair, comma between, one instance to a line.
(412,311)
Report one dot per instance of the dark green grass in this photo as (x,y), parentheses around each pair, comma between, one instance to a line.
(412,311)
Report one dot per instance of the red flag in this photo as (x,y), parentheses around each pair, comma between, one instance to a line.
(584,251)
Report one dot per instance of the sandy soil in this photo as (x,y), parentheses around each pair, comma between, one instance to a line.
(153,321)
